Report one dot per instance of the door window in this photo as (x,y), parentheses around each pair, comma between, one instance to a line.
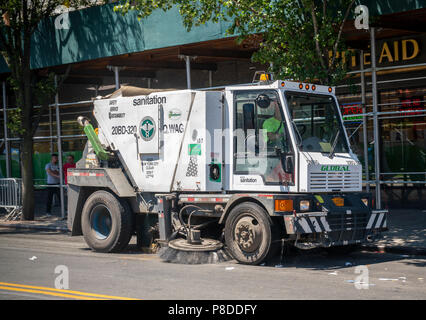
(261,138)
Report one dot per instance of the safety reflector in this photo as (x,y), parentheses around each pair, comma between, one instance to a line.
(340,202)
(319,198)
(283,205)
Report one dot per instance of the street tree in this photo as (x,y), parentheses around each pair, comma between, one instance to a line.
(19,19)
(300,39)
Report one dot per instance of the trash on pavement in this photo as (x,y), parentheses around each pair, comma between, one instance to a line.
(33,258)
(279,266)
(333,273)
(387,279)
(229,268)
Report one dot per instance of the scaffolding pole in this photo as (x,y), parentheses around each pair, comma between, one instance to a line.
(210,78)
(188,68)
(188,71)
(117,77)
(6,142)
(116,71)
(364,121)
(50,130)
(58,132)
(375,119)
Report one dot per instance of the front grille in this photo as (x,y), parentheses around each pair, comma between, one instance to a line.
(347,227)
(344,221)
(334,181)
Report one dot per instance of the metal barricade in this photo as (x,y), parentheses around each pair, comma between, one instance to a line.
(11,197)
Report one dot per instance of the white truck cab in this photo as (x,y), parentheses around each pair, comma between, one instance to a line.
(310,151)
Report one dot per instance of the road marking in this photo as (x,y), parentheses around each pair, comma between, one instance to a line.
(47,293)
(58,292)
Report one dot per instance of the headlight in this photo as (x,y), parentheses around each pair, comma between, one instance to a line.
(365,202)
(304,205)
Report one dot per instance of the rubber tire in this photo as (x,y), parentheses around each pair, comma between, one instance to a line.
(122,222)
(261,216)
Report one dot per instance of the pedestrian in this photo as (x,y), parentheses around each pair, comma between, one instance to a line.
(52,171)
(70,164)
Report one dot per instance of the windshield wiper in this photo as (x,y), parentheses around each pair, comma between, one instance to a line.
(333,147)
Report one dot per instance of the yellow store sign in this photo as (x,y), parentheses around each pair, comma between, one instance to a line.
(391,51)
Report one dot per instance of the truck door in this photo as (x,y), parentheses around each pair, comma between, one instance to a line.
(261,141)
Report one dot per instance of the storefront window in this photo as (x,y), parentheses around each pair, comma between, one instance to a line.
(403,134)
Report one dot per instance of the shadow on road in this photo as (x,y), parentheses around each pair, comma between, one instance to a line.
(320,259)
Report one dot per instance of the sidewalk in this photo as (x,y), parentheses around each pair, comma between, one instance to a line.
(42,221)
(406,235)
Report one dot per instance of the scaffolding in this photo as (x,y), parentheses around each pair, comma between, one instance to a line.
(58,137)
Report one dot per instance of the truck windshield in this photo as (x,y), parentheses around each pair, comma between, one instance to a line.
(317,122)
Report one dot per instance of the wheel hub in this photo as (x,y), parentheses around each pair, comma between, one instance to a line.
(101,222)
(248,234)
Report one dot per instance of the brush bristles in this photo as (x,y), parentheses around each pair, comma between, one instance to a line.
(192,257)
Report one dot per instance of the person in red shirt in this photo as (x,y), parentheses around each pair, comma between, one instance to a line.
(70,164)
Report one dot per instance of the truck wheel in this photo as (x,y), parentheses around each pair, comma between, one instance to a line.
(106,222)
(248,233)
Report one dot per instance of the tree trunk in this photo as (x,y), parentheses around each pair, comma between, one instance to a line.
(27,141)
(27,176)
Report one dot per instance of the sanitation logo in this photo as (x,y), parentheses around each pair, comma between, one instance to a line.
(147,128)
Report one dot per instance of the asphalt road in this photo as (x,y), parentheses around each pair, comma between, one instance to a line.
(28,260)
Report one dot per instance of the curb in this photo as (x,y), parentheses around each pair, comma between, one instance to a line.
(397,249)
(33,226)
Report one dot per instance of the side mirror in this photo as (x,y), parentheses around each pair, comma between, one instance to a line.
(248,116)
(263,101)
(288,164)
(286,160)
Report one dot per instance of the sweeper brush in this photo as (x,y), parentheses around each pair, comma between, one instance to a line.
(208,251)
(190,248)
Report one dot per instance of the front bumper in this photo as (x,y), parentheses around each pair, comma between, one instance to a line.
(337,228)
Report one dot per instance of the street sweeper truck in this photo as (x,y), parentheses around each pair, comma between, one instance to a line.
(234,171)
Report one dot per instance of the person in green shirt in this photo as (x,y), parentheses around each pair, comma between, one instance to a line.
(273,128)
(273,134)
